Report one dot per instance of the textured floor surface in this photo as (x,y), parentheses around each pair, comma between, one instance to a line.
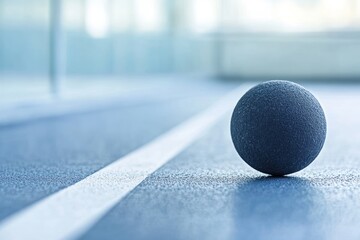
(206,191)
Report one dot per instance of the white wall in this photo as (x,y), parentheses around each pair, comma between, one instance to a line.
(298,56)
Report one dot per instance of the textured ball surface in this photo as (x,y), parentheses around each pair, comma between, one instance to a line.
(278,127)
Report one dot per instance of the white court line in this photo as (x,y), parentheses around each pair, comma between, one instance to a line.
(72,211)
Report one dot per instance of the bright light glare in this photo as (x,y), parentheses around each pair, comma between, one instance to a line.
(259,11)
(96,18)
(205,15)
(297,16)
(72,17)
(121,15)
(149,15)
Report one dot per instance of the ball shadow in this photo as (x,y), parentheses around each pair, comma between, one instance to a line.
(276,208)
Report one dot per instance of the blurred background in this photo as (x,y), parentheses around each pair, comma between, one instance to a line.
(79,48)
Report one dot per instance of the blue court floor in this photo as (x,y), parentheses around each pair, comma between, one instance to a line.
(67,162)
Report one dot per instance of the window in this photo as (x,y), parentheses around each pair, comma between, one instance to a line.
(24,50)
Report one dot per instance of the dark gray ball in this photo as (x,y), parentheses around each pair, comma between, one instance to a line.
(278,127)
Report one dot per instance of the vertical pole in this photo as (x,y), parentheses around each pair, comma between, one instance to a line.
(219,41)
(56,47)
(113,35)
(134,68)
(171,33)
